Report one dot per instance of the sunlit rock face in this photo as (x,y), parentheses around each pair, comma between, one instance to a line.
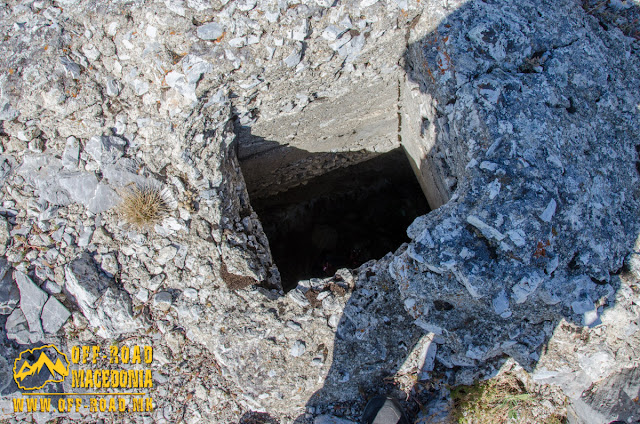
(519,121)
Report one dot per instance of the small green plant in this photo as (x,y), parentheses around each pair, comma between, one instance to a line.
(143,206)
(500,400)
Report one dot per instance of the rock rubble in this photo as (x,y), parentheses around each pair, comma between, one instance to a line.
(523,131)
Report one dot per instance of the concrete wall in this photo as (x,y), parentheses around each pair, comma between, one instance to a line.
(280,153)
(329,133)
(418,136)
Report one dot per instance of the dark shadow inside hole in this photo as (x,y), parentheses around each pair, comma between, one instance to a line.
(343,218)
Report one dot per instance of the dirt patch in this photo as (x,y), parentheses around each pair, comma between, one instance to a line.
(233,281)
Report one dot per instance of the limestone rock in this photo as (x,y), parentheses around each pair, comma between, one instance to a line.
(612,399)
(17,328)
(520,120)
(298,348)
(105,149)
(329,419)
(162,301)
(54,315)
(9,293)
(107,308)
(32,300)
(534,250)
(80,186)
(71,153)
(4,234)
(210,31)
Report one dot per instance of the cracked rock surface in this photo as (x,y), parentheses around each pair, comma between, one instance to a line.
(521,117)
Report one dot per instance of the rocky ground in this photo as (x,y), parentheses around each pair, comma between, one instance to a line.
(527,117)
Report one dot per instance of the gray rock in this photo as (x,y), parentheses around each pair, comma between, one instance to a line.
(109,265)
(547,214)
(295,57)
(333,321)
(8,112)
(190,293)
(17,328)
(351,50)
(54,315)
(341,41)
(155,283)
(9,293)
(210,31)
(52,287)
(107,308)
(246,5)
(298,348)
(81,186)
(554,231)
(140,87)
(123,173)
(32,299)
(71,68)
(178,82)
(71,153)
(613,399)
(301,31)
(298,297)
(116,314)
(162,301)
(332,33)
(104,199)
(29,133)
(194,67)
(501,305)
(142,295)
(6,372)
(43,172)
(330,419)
(4,234)
(85,236)
(238,42)
(91,52)
(166,254)
(105,149)
(113,87)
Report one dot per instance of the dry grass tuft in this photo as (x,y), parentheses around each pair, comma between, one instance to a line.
(143,206)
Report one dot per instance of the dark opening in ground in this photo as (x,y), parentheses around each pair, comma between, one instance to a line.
(342,218)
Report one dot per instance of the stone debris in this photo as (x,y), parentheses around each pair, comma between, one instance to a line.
(330,419)
(17,328)
(105,149)
(210,31)
(4,234)
(71,153)
(9,294)
(54,314)
(107,308)
(298,348)
(162,301)
(32,300)
(524,132)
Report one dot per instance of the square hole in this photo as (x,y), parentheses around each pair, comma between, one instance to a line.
(341,219)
